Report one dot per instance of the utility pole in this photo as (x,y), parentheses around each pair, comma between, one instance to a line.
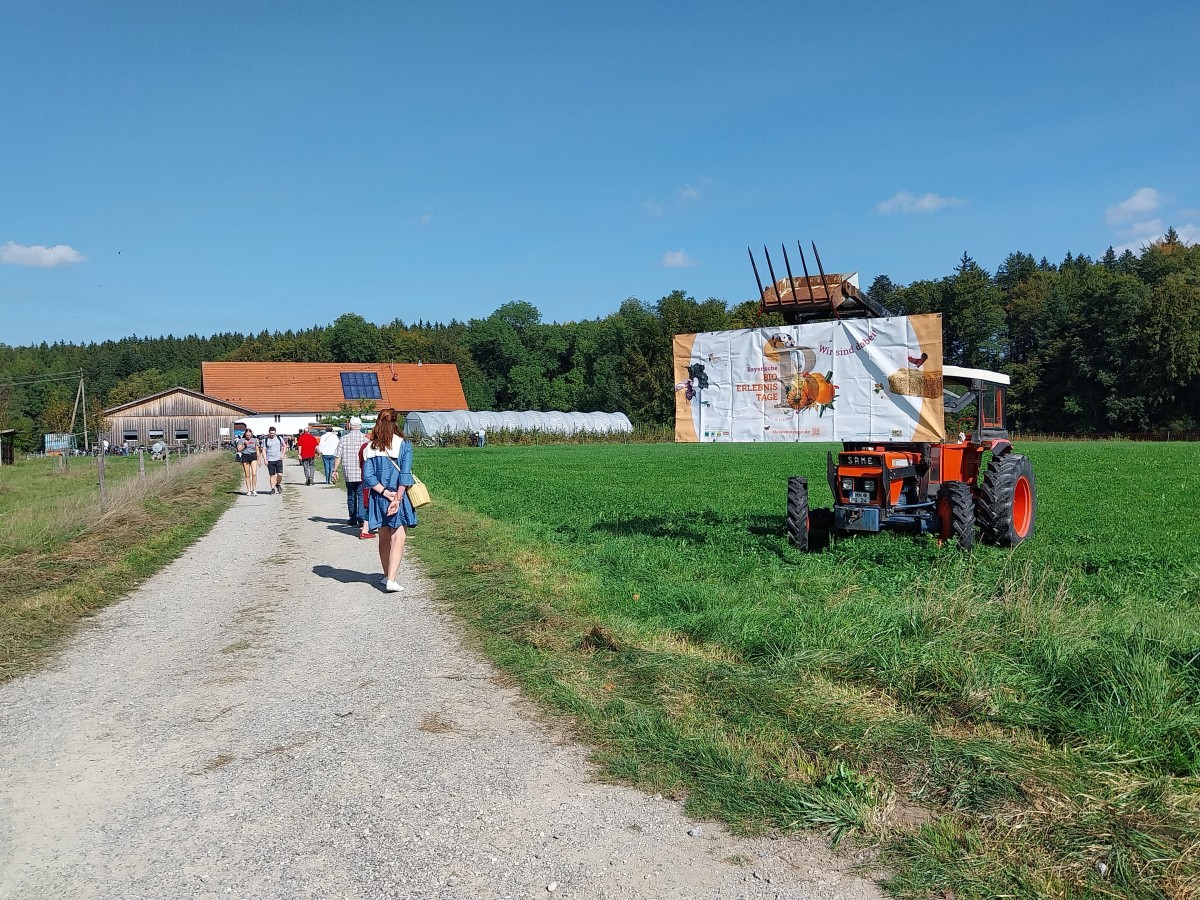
(83,396)
(103,486)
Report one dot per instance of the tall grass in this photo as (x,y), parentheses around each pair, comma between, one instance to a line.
(61,556)
(1041,702)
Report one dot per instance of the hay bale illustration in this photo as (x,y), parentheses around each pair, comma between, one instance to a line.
(915,383)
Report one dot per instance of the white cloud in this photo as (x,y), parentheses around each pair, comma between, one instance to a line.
(906,202)
(1142,234)
(692,193)
(685,195)
(14,254)
(425,219)
(677,259)
(1139,203)
(1143,218)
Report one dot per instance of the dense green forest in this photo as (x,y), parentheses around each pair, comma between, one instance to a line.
(1093,347)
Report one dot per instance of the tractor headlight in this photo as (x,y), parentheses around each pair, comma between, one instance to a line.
(847,484)
(869,485)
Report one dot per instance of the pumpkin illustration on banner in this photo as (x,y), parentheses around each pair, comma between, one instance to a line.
(811,389)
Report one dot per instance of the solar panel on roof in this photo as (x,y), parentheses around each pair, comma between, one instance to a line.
(361,386)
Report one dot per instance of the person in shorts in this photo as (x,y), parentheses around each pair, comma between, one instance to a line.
(273,448)
(247,451)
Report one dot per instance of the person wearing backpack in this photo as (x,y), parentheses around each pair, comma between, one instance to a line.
(273,447)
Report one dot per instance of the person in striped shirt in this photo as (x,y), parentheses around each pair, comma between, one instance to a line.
(347,460)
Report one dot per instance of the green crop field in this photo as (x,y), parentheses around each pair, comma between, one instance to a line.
(1003,723)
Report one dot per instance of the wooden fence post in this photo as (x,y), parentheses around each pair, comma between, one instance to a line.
(103,486)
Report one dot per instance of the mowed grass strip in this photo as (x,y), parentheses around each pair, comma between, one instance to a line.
(1007,723)
(61,558)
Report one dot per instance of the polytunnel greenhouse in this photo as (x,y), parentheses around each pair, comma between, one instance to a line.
(435,424)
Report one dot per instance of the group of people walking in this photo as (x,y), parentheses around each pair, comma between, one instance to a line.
(254,451)
(376,472)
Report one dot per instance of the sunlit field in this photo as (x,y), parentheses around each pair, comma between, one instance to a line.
(1004,723)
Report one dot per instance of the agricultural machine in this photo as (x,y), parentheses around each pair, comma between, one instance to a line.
(921,487)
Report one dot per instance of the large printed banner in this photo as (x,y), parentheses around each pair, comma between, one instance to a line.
(843,380)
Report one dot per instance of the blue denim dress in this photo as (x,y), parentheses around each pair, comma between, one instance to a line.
(380,470)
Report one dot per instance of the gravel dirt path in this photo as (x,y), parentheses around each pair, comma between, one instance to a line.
(260,720)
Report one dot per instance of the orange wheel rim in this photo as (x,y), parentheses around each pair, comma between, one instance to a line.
(1022,509)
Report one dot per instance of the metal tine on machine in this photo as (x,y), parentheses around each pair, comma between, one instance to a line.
(807,281)
(754,266)
(825,285)
(774,280)
(791,281)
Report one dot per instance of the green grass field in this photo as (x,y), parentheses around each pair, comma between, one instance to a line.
(1006,723)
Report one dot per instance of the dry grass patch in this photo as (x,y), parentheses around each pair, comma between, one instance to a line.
(61,558)
(435,723)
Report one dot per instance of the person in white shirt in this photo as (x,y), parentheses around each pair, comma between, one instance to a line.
(327,447)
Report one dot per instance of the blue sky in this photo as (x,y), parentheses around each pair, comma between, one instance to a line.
(197,168)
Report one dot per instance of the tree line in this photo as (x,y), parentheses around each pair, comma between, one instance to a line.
(1109,345)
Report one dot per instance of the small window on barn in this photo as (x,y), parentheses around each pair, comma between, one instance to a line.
(131,437)
(182,434)
(361,386)
(154,434)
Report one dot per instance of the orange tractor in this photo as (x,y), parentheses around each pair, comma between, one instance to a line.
(920,487)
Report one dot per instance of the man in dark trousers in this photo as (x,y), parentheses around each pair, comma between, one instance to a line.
(306,447)
(347,461)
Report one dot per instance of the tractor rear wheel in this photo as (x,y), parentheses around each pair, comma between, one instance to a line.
(956,514)
(807,529)
(1007,506)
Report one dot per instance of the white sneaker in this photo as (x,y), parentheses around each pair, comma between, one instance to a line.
(392,587)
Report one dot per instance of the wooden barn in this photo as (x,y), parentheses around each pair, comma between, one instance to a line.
(176,417)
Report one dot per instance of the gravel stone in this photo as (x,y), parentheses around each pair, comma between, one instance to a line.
(352,748)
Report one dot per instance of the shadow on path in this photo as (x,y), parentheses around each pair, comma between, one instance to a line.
(346,576)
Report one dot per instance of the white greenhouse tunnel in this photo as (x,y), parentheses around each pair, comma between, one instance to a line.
(432,424)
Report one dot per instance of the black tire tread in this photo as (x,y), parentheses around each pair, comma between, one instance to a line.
(961,500)
(995,507)
(797,521)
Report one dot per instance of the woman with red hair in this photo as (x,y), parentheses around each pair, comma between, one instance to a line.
(387,474)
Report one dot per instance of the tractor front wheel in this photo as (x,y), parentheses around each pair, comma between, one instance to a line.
(807,529)
(956,514)
(1007,500)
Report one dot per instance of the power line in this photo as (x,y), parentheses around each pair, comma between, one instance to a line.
(26,380)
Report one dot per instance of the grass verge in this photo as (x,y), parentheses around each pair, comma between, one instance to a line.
(61,558)
(1018,724)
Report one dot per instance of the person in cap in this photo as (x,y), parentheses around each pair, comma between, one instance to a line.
(347,462)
